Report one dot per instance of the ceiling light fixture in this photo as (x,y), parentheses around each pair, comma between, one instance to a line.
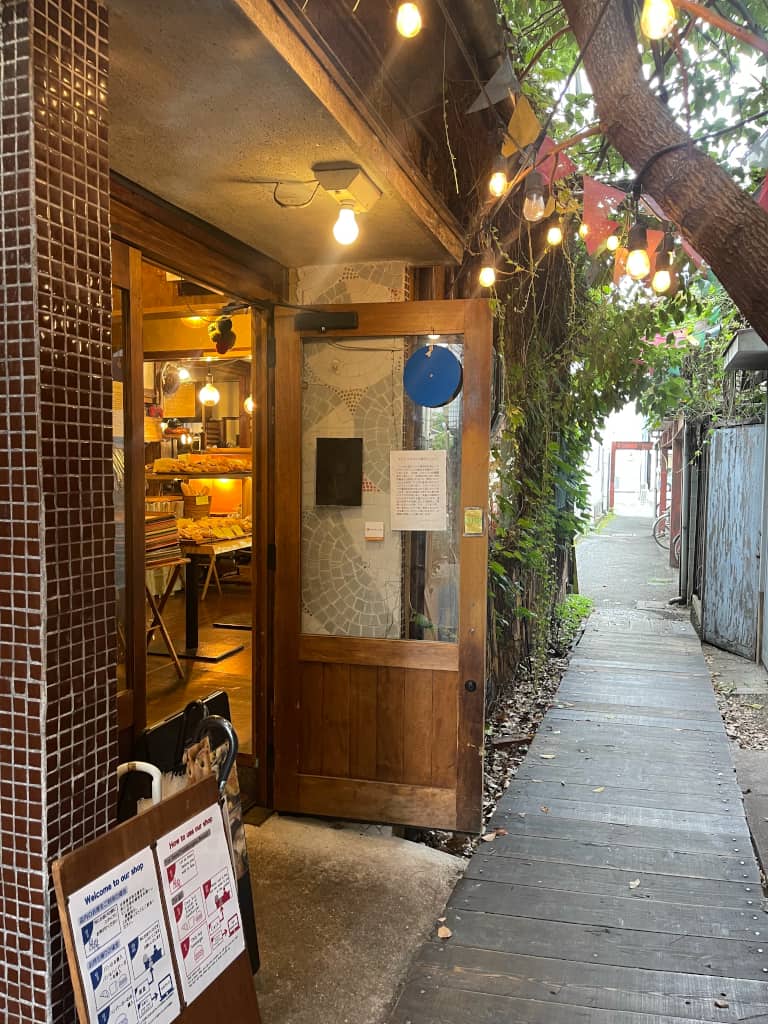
(408,20)
(193,321)
(209,395)
(184,373)
(353,190)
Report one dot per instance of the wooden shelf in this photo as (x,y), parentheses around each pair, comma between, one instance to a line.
(199,476)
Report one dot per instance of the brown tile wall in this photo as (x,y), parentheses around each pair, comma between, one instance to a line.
(57,646)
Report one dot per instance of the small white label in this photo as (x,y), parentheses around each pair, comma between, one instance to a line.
(374,531)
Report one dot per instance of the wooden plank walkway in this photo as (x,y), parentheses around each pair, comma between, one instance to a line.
(625,890)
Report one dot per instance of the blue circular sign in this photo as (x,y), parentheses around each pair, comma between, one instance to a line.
(433,376)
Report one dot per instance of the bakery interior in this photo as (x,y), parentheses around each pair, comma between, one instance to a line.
(196,491)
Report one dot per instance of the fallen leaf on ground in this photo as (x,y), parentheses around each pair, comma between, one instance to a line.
(721,1004)
(545,810)
(444,932)
(635,883)
(600,789)
(488,837)
(547,757)
(501,832)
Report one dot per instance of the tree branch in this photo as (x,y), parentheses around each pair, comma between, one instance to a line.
(542,50)
(743,34)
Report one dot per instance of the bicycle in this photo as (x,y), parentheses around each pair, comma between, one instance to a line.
(661,535)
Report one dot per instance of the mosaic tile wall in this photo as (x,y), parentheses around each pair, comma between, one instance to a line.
(351,586)
(57,657)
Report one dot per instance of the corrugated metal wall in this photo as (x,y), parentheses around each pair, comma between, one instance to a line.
(731,591)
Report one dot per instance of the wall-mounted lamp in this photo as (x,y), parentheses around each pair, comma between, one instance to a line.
(353,190)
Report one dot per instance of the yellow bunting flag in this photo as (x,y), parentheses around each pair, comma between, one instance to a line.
(523,128)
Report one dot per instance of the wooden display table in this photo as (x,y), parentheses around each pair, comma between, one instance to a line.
(157,606)
(210,550)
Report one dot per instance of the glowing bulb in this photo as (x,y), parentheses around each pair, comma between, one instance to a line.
(249,405)
(612,243)
(163,426)
(497,183)
(638,260)
(555,233)
(535,204)
(487,275)
(184,373)
(193,321)
(658,18)
(346,228)
(433,337)
(184,439)
(583,230)
(662,279)
(408,20)
(209,395)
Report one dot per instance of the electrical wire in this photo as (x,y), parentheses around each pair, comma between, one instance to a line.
(294,206)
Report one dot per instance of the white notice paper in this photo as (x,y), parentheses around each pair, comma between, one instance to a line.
(418,490)
(122,946)
(201,899)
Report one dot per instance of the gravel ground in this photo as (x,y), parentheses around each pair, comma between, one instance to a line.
(745,717)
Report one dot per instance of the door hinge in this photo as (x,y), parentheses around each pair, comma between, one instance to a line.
(271,557)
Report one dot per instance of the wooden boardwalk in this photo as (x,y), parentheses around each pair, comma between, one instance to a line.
(625,890)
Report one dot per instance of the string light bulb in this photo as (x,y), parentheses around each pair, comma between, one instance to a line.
(408,20)
(249,405)
(346,228)
(535,203)
(487,275)
(184,373)
(583,230)
(638,260)
(658,18)
(612,243)
(498,182)
(662,279)
(209,394)
(555,232)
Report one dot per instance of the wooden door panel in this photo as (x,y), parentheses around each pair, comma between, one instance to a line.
(383,729)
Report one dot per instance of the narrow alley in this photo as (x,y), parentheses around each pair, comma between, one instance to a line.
(621,884)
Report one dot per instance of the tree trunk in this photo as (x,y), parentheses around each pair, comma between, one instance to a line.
(723,223)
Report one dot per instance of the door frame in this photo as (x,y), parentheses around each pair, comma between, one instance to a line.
(472,320)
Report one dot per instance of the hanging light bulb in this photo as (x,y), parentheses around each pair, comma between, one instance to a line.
(209,395)
(555,232)
(583,230)
(662,278)
(346,228)
(184,439)
(497,183)
(638,260)
(184,373)
(408,20)
(249,405)
(487,275)
(612,243)
(658,18)
(535,204)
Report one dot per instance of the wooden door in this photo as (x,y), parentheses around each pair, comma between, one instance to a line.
(380,644)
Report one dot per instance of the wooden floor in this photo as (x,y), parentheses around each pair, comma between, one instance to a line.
(625,889)
(167,694)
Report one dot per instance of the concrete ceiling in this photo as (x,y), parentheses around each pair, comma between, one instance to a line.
(200,104)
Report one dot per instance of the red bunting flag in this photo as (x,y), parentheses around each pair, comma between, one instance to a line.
(553,167)
(690,252)
(762,198)
(600,204)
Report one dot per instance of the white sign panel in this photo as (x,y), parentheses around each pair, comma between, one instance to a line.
(201,898)
(122,946)
(418,490)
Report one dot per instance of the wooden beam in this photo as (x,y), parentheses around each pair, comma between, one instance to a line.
(288,34)
(170,236)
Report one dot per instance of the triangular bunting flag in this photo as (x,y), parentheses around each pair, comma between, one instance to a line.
(657,211)
(600,204)
(523,128)
(497,88)
(553,167)
(655,238)
(762,196)
(620,264)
